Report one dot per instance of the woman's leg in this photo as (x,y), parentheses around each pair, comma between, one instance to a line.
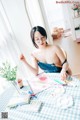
(69,71)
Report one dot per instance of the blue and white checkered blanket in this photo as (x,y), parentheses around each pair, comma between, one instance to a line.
(50,110)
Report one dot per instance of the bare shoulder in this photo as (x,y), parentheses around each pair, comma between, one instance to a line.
(55,47)
(34,54)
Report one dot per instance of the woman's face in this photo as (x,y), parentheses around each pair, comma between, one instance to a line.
(40,40)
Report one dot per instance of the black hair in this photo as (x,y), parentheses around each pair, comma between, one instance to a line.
(39,29)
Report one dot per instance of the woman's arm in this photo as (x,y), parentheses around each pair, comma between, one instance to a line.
(64,63)
(34,69)
(62,57)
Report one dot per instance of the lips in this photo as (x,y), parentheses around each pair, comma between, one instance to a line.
(42,44)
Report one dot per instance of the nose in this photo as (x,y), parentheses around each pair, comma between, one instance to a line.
(39,38)
(40,41)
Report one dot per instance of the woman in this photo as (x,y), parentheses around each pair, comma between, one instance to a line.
(49,58)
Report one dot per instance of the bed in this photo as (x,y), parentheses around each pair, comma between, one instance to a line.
(59,102)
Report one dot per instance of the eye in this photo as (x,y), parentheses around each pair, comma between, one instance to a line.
(36,39)
(42,37)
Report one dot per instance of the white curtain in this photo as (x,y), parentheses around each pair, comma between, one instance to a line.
(15,35)
(37,15)
(34,12)
(8,52)
(8,46)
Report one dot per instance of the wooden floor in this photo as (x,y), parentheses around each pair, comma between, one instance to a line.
(73,52)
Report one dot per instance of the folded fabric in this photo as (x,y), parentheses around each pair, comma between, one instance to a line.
(33,106)
(19,100)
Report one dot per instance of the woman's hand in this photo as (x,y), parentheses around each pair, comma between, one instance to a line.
(63,74)
(22,58)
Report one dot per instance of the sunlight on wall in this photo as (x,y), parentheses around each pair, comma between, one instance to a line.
(56,14)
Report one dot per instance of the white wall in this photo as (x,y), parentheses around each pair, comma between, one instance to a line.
(57,14)
(69,6)
(66,16)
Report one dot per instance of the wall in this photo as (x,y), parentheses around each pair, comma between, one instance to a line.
(66,16)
